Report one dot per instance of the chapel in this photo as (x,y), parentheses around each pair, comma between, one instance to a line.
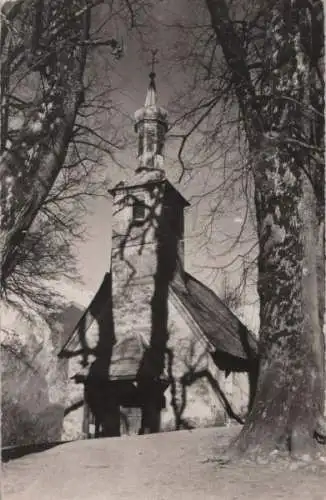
(156,349)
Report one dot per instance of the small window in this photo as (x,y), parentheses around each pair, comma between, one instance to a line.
(141,144)
(150,141)
(160,140)
(138,210)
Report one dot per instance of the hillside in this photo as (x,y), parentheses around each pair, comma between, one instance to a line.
(167,466)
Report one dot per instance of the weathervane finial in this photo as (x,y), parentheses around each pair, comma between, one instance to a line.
(153,62)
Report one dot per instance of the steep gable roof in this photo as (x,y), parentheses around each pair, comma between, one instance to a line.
(209,317)
(98,305)
(223,330)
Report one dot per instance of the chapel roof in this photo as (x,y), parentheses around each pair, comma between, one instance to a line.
(222,330)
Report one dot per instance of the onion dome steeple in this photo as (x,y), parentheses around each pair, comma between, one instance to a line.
(151,126)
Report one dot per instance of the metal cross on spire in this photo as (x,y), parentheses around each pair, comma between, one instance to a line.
(151,92)
(154,61)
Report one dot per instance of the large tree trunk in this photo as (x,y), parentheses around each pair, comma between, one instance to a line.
(290,393)
(289,401)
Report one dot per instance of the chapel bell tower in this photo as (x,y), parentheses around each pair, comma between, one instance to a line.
(147,240)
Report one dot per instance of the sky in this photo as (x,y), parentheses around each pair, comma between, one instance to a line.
(129,76)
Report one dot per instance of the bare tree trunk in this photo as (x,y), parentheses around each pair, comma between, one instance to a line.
(289,402)
(313,280)
(21,196)
(30,166)
(289,397)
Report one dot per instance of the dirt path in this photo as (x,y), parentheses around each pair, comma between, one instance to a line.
(171,466)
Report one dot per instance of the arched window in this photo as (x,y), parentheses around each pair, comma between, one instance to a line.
(139,209)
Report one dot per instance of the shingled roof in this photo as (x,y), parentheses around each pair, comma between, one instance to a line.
(226,335)
(224,331)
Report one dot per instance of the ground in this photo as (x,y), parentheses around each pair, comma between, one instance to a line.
(167,466)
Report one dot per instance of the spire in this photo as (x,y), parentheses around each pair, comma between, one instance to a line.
(151,91)
(151,126)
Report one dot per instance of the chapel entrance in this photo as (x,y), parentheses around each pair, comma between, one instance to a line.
(129,424)
(122,407)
